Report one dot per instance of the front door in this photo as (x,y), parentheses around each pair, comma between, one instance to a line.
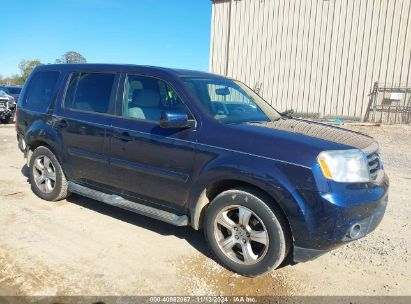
(149,162)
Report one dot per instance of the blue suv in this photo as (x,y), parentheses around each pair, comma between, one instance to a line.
(198,149)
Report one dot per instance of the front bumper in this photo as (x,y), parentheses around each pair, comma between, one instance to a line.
(301,254)
(344,234)
(331,220)
(5,113)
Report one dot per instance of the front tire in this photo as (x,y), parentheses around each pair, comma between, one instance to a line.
(244,233)
(6,119)
(47,178)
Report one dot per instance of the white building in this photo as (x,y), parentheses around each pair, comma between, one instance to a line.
(321,58)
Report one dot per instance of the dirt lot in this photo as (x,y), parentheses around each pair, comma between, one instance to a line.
(81,247)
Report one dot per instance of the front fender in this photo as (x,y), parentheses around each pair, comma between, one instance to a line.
(280,180)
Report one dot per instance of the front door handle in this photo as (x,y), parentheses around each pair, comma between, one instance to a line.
(62,123)
(125,136)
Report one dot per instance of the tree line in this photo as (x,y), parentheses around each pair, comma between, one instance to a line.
(26,66)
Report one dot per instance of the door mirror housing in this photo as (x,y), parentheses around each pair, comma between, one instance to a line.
(174,119)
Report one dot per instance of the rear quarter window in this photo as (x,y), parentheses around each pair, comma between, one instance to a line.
(41,90)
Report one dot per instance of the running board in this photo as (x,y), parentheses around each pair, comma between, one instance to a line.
(118,201)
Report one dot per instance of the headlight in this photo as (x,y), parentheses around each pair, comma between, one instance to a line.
(348,166)
(381,157)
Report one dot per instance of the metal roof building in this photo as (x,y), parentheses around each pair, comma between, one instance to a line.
(345,59)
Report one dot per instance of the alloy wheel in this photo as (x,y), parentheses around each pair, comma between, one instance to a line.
(44,174)
(241,235)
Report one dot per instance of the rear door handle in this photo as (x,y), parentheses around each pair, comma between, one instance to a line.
(125,136)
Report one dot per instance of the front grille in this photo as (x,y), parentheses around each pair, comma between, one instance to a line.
(374,164)
(3,104)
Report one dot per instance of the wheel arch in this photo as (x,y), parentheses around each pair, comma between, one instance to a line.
(42,134)
(214,188)
(34,145)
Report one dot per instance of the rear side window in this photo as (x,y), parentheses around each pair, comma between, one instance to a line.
(90,92)
(40,92)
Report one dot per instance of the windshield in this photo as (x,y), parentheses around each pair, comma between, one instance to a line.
(11,90)
(229,101)
(14,90)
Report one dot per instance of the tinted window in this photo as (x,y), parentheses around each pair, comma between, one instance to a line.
(13,90)
(146,97)
(89,92)
(41,89)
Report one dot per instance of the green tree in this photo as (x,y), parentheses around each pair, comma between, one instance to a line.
(71,57)
(13,79)
(26,66)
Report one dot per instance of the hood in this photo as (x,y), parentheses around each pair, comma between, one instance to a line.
(293,141)
(324,132)
(4,95)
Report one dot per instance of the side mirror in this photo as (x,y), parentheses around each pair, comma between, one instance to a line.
(287,113)
(174,119)
(222,91)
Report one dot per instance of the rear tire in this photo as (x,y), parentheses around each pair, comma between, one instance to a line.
(244,233)
(47,178)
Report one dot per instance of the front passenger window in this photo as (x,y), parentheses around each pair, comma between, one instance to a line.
(145,98)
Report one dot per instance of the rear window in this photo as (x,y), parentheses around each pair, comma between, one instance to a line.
(40,91)
(90,92)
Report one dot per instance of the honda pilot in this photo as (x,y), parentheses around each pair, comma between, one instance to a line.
(197,149)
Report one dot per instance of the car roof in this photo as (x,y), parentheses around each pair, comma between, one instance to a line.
(126,68)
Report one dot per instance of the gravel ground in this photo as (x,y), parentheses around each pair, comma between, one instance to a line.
(81,247)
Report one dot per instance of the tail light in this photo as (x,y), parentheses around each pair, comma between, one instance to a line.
(16,114)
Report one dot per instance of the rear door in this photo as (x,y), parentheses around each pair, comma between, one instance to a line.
(82,119)
(149,162)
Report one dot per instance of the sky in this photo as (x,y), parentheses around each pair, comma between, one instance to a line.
(170,33)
